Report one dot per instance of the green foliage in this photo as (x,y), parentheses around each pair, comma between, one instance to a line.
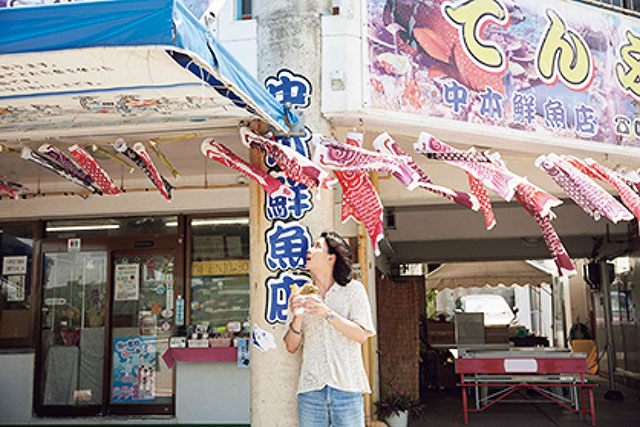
(431,295)
(396,401)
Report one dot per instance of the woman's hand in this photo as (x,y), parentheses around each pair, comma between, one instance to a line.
(314,306)
(296,304)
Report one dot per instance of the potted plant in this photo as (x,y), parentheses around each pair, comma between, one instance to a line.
(396,407)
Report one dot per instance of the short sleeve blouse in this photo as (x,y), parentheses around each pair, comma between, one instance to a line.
(328,357)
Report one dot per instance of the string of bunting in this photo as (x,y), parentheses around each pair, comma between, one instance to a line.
(386,145)
(296,166)
(350,163)
(84,170)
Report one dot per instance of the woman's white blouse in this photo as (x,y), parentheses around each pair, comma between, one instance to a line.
(328,357)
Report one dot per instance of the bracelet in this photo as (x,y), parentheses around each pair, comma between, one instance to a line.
(293,330)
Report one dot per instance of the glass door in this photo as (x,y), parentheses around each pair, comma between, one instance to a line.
(72,327)
(142,322)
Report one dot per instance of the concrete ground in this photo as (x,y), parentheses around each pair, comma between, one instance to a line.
(444,409)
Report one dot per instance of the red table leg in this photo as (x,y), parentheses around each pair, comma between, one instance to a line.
(464,400)
(593,407)
(584,407)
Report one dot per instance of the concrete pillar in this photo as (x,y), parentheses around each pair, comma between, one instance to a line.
(274,373)
(289,36)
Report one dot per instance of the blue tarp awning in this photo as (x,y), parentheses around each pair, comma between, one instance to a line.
(87,65)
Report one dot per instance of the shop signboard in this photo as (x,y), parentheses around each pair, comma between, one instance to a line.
(287,239)
(551,68)
(220,268)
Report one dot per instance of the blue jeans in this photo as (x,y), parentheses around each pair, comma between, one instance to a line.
(330,407)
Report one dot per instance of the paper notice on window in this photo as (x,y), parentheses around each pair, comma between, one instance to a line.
(127,282)
(15,288)
(16,264)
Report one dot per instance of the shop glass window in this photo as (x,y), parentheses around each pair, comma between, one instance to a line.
(16,256)
(109,227)
(219,271)
(243,9)
(622,303)
(72,328)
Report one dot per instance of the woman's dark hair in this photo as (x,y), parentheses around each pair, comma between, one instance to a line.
(337,246)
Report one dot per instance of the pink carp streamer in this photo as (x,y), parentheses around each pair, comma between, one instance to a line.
(360,200)
(339,156)
(100,177)
(502,182)
(348,210)
(220,153)
(539,203)
(592,198)
(551,238)
(540,199)
(490,170)
(11,189)
(293,164)
(386,145)
(593,169)
(460,156)
(478,190)
(632,179)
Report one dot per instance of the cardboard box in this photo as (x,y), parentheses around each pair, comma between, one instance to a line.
(469,328)
(440,332)
(177,342)
(496,334)
(198,343)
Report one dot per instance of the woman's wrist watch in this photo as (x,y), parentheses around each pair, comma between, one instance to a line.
(330,316)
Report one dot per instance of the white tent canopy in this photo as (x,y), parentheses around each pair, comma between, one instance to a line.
(493,273)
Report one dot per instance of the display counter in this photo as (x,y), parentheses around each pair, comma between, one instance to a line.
(16,385)
(210,387)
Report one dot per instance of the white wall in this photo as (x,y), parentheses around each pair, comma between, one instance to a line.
(547,312)
(238,37)
(522,296)
(16,383)
(342,55)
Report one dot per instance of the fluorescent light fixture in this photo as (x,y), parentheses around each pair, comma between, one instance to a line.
(212,221)
(84,227)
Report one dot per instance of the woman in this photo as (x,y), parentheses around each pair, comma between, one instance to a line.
(330,327)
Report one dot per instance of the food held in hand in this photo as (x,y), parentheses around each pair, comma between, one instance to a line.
(309,289)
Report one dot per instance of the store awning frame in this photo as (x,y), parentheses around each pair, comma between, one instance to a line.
(492,273)
(86,27)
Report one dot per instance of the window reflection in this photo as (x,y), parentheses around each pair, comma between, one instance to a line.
(219,271)
(16,251)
